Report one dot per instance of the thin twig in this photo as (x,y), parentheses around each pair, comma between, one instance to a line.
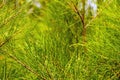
(26,66)
(5,22)
(75,9)
(10,18)
(3,43)
(82,18)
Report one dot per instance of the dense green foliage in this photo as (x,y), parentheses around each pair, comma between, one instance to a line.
(49,43)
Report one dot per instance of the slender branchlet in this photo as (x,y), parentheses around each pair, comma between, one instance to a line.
(82,18)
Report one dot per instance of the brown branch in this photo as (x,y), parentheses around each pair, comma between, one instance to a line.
(84,28)
(7,40)
(26,66)
(82,18)
(75,9)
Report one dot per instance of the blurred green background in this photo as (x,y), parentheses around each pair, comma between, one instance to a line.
(59,39)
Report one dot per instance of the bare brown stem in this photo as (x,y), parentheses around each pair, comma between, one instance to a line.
(82,18)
